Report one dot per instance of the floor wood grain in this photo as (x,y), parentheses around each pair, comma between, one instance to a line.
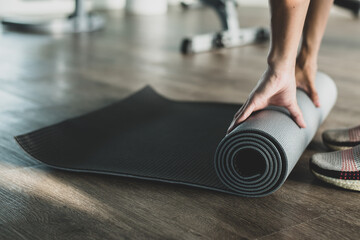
(46,79)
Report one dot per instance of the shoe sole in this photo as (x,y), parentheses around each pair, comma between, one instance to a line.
(336,148)
(342,183)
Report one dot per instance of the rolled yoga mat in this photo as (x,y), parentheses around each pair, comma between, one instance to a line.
(150,137)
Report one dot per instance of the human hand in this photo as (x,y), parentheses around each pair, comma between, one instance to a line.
(273,88)
(305,74)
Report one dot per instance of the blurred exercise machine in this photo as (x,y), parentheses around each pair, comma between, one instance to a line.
(230,36)
(79,21)
(186,4)
(352,5)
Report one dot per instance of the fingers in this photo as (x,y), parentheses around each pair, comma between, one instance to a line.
(296,114)
(247,109)
(314,96)
(312,93)
(241,109)
(306,82)
(232,124)
(243,113)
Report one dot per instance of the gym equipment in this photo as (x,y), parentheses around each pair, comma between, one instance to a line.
(352,5)
(79,21)
(150,137)
(230,36)
(187,4)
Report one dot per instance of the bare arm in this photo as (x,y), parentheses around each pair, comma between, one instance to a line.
(277,86)
(306,63)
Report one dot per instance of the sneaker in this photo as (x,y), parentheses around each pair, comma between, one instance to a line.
(341,139)
(339,168)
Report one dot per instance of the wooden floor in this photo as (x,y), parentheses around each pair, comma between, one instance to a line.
(44,80)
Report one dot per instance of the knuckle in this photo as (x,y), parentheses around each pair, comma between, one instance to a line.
(296,114)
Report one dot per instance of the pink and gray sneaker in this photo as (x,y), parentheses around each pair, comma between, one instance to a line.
(341,139)
(340,168)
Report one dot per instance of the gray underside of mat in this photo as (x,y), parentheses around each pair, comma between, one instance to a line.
(150,137)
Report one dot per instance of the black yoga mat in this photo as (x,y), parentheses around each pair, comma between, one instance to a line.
(150,137)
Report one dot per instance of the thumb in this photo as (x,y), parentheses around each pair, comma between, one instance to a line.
(242,115)
(246,112)
(296,114)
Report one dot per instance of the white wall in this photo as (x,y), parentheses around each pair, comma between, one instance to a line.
(242,2)
(109,4)
(52,7)
(61,7)
(48,7)
(120,3)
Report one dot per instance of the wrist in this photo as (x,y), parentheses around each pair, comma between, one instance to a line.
(281,67)
(281,62)
(279,76)
(307,57)
(306,60)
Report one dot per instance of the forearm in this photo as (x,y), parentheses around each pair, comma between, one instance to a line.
(277,86)
(287,22)
(314,29)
